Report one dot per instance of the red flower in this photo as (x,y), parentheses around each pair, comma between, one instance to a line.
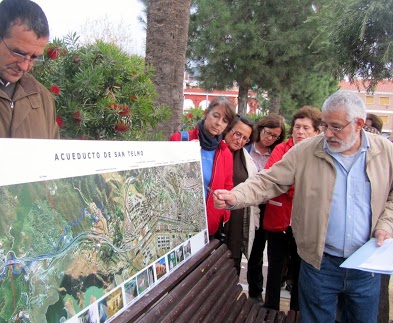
(190,115)
(53,52)
(124,111)
(76,116)
(133,73)
(55,90)
(76,59)
(59,121)
(133,98)
(121,127)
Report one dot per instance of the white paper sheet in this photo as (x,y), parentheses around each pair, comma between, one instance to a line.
(372,258)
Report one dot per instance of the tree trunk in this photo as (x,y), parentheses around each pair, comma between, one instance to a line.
(243,98)
(274,104)
(166,42)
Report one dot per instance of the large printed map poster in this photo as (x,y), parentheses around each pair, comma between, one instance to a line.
(86,228)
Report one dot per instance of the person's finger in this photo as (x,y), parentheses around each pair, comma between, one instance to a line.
(380,235)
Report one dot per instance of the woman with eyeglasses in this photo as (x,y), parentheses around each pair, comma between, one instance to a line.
(281,246)
(270,131)
(239,230)
(217,164)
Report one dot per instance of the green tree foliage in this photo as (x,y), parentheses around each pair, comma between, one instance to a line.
(257,44)
(307,89)
(100,91)
(356,37)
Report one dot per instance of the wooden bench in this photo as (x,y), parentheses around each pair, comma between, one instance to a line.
(204,289)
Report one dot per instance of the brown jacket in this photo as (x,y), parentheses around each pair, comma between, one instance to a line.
(312,170)
(33,114)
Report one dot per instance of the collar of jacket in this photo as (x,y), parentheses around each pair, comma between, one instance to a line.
(26,86)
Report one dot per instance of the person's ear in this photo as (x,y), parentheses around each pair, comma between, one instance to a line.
(359,123)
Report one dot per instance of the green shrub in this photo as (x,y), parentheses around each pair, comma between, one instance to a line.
(191,118)
(100,91)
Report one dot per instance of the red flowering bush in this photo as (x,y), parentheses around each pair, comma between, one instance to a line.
(191,118)
(100,92)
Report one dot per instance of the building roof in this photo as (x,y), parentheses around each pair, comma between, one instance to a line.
(382,86)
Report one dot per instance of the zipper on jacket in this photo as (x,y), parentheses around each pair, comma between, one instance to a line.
(12,104)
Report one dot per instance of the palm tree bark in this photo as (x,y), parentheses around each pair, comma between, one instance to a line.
(166,42)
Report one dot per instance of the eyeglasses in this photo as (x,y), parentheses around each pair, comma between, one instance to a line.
(238,135)
(23,57)
(323,127)
(270,135)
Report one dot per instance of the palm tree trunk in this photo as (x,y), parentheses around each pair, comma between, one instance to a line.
(166,42)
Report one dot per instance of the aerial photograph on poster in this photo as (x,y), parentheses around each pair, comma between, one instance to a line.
(67,242)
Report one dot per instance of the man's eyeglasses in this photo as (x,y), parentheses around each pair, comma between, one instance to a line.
(323,127)
(238,135)
(23,57)
(270,135)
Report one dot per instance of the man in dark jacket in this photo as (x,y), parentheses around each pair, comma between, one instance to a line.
(26,106)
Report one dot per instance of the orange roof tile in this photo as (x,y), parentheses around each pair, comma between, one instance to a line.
(382,86)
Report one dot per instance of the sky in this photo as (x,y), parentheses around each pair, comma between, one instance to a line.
(65,16)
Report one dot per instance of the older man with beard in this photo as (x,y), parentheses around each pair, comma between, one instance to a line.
(343,196)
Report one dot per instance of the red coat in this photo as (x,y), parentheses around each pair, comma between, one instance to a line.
(277,217)
(222,178)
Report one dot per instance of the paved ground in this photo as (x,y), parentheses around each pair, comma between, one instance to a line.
(285,296)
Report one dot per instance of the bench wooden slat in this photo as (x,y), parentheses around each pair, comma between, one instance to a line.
(141,306)
(204,289)
(210,302)
(252,315)
(192,303)
(235,311)
(262,314)
(271,316)
(220,301)
(172,299)
(245,310)
(231,294)
(293,317)
(280,317)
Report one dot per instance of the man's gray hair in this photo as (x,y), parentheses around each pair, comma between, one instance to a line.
(348,101)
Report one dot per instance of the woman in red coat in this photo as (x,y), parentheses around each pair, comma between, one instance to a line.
(217,160)
(281,244)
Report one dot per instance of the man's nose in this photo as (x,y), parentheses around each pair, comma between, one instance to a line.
(24,66)
(328,133)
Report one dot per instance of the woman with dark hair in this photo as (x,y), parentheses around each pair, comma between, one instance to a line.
(372,120)
(277,218)
(240,229)
(217,160)
(270,131)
